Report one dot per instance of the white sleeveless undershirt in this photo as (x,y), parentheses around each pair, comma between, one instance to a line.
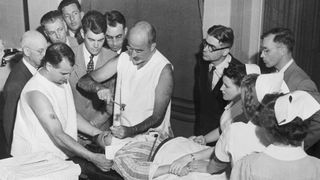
(29,135)
(136,89)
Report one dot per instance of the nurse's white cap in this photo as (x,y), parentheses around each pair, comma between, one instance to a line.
(268,84)
(296,104)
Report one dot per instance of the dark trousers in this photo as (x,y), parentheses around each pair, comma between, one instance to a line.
(91,172)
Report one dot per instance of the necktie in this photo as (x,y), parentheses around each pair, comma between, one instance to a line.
(210,76)
(90,65)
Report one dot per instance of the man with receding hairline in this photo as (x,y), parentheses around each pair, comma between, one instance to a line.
(56,29)
(34,46)
(144,86)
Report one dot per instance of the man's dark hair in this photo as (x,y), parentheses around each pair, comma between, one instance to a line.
(113,17)
(55,54)
(65,3)
(94,21)
(283,36)
(51,17)
(222,33)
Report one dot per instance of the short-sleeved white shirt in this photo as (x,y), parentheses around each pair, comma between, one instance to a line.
(239,140)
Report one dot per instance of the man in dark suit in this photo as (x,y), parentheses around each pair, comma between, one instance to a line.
(277,48)
(116,32)
(208,97)
(34,46)
(91,55)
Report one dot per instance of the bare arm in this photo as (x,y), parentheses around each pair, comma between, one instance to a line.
(85,127)
(178,164)
(163,94)
(216,166)
(43,109)
(212,136)
(91,82)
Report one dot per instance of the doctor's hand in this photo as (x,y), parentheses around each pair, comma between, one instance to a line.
(101,162)
(105,95)
(104,138)
(121,131)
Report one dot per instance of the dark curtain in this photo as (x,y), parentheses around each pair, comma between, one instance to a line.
(303,18)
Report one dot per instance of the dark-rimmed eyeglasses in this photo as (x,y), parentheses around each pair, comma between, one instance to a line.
(211,47)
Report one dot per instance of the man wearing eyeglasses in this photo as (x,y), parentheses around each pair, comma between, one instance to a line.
(215,58)
(143,89)
(116,31)
(277,49)
(34,46)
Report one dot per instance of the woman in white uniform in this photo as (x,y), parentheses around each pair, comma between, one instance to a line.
(285,120)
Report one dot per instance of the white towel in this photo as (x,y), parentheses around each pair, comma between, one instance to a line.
(43,165)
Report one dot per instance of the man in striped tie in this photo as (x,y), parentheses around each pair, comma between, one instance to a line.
(91,55)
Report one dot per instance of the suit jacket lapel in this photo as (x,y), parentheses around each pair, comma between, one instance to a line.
(81,69)
(100,60)
(289,71)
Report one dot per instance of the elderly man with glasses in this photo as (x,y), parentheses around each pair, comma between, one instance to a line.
(215,58)
(33,46)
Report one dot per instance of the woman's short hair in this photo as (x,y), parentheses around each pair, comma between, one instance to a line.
(236,72)
(292,133)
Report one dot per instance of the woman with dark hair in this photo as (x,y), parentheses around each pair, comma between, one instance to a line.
(232,77)
(241,138)
(285,121)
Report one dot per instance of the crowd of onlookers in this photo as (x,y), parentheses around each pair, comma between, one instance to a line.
(89,89)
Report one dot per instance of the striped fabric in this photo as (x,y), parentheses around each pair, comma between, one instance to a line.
(131,162)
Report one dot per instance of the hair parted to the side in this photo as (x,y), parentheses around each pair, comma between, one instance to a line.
(95,22)
(56,52)
(115,17)
(283,36)
(51,17)
(65,3)
(222,33)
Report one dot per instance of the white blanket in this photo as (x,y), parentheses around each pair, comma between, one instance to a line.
(38,166)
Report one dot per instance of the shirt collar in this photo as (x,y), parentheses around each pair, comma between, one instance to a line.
(87,55)
(32,69)
(284,68)
(220,67)
(67,41)
(71,33)
(285,153)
